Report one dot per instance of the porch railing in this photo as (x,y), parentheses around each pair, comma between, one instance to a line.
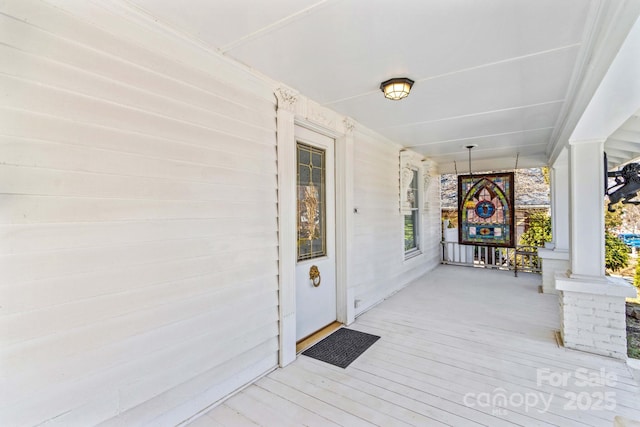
(520,258)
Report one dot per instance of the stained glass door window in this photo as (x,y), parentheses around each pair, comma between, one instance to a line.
(312,240)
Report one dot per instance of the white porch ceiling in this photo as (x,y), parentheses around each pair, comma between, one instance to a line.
(494,73)
(624,143)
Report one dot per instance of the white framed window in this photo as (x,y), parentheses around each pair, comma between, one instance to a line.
(412,218)
(411,201)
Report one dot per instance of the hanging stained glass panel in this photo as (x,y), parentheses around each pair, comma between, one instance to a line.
(486,211)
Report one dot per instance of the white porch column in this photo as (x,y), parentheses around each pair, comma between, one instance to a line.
(592,306)
(587,209)
(556,257)
(560,202)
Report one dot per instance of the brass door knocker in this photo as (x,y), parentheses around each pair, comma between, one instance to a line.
(314,276)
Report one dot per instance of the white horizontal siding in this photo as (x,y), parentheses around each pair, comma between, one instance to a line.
(138,221)
(379,265)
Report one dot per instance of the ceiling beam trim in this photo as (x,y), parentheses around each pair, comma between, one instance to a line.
(273,26)
(626,135)
(623,154)
(471,138)
(623,144)
(462,155)
(483,113)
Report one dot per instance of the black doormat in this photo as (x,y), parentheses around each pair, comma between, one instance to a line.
(341,347)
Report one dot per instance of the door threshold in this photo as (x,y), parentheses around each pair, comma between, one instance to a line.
(307,342)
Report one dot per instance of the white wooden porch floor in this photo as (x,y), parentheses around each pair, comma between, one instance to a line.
(450,341)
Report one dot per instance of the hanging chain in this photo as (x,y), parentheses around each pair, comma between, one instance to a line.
(455,166)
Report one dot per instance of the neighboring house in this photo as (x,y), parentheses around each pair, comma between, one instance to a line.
(154,257)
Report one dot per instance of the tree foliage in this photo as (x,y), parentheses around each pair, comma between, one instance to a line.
(539,230)
(545,174)
(613,220)
(636,279)
(616,254)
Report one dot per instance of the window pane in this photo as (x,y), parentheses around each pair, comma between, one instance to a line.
(311,202)
(411,231)
(411,223)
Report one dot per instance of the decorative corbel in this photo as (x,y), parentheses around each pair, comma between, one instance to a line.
(349,125)
(427,170)
(287,99)
(409,161)
(406,178)
(426,174)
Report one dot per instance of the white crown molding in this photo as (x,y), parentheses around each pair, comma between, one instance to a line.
(411,159)
(312,115)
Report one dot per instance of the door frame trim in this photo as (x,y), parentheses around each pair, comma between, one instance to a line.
(293,109)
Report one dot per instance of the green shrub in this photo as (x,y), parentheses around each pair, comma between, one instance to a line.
(539,230)
(616,254)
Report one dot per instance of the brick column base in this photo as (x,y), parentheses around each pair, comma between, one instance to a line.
(592,314)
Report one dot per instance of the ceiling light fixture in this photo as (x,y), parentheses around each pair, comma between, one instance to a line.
(396,89)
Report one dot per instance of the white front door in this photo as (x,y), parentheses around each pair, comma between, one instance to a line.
(315,228)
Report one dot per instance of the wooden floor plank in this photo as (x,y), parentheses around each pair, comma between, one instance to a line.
(490,364)
(454,332)
(456,368)
(488,337)
(294,413)
(418,412)
(228,417)
(433,395)
(347,399)
(205,421)
(463,341)
(258,412)
(455,392)
(513,374)
(313,404)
